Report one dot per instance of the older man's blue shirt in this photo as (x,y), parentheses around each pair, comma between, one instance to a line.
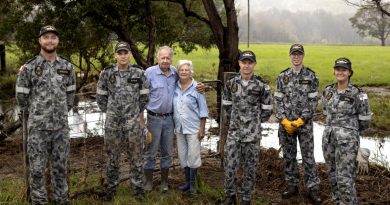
(161,89)
(189,107)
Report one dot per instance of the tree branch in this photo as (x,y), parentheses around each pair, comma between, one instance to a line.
(188,12)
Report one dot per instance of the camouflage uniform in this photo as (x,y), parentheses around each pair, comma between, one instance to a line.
(296,97)
(46,91)
(122,95)
(347,114)
(246,106)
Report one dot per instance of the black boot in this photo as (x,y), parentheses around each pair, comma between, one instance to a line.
(230,200)
(164,180)
(184,187)
(148,180)
(193,173)
(245,202)
(109,195)
(290,191)
(313,195)
(139,193)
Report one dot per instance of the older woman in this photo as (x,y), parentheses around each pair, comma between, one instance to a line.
(347,113)
(189,113)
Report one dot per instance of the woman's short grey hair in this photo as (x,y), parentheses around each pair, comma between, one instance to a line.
(165,48)
(184,62)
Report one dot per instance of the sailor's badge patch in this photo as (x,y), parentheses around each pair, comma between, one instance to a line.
(112,79)
(328,96)
(38,71)
(285,79)
(234,88)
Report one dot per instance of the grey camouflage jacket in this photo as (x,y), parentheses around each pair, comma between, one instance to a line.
(349,109)
(296,94)
(247,106)
(46,91)
(122,95)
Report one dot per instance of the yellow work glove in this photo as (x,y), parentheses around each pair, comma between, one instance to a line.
(288,126)
(297,123)
(148,136)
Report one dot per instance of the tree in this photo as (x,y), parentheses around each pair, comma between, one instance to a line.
(371,22)
(380,5)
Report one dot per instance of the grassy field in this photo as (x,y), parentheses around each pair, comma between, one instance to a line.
(370,65)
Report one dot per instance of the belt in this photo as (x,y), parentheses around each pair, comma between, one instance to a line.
(159,114)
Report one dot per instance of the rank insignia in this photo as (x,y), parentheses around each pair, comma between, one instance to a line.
(234,88)
(112,79)
(285,79)
(38,71)
(328,96)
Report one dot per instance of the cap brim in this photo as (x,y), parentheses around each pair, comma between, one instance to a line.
(122,49)
(55,32)
(342,66)
(247,58)
(293,50)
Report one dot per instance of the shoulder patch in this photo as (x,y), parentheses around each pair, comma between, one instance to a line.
(359,89)
(328,86)
(138,66)
(62,57)
(109,67)
(31,59)
(284,70)
(260,79)
(310,69)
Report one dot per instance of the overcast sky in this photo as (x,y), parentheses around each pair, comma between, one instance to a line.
(333,6)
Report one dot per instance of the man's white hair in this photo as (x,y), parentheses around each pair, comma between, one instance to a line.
(165,48)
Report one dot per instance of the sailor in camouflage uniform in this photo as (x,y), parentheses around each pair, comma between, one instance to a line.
(247,101)
(347,114)
(45,91)
(122,93)
(296,101)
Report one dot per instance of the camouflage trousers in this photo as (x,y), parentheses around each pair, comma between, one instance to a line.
(304,135)
(236,151)
(42,146)
(340,147)
(132,143)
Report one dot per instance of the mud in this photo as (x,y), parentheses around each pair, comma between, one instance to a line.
(373,188)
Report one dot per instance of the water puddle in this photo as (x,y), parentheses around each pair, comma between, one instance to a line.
(89,115)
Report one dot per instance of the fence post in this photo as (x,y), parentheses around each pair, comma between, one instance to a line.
(224,124)
(2,57)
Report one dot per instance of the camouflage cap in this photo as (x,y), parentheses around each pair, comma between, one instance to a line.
(247,55)
(122,46)
(343,62)
(297,47)
(48,28)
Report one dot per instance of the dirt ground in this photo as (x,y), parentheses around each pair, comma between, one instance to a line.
(373,188)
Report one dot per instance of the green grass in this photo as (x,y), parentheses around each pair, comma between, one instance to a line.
(11,193)
(370,63)
(380,106)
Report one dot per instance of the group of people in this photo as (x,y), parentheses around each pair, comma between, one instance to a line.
(175,105)
(248,101)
